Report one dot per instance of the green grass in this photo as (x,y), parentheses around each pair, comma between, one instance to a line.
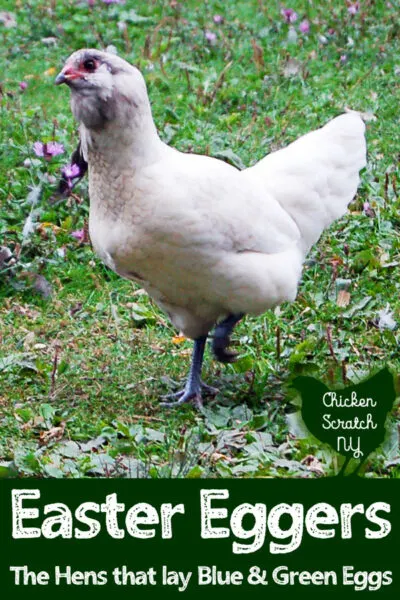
(94,358)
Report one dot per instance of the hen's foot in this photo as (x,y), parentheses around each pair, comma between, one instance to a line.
(192,390)
(222,339)
(185,395)
(209,390)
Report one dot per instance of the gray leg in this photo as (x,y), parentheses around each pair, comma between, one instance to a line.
(222,338)
(192,390)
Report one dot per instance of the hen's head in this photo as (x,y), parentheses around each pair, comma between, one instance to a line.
(104,87)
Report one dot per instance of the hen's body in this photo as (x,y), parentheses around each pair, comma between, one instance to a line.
(203,248)
(204,239)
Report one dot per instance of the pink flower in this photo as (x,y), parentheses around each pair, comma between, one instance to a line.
(71,171)
(368,211)
(218,19)
(289,15)
(304,26)
(79,234)
(211,37)
(23,85)
(343,59)
(47,150)
(353,8)
(53,148)
(38,148)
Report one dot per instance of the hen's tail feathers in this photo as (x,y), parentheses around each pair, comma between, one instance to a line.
(316,177)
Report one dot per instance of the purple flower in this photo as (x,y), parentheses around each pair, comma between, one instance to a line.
(79,234)
(47,150)
(343,59)
(368,211)
(53,149)
(38,148)
(289,15)
(218,19)
(304,26)
(353,8)
(23,85)
(211,37)
(71,171)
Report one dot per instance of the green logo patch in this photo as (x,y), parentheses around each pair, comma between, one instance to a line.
(352,420)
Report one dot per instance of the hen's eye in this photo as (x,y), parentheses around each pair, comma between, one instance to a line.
(89,64)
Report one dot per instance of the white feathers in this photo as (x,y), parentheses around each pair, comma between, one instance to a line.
(386,319)
(30,222)
(203,238)
(315,178)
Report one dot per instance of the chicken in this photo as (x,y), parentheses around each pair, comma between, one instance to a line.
(208,242)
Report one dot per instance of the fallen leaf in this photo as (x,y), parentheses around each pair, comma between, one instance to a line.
(25,311)
(343,298)
(357,307)
(19,359)
(70,449)
(53,434)
(29,340)
(178,339)
(217,456)
(102,465)
(41,228)
(94,444)
(313,464)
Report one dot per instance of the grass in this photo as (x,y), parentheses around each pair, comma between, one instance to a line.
(85,355)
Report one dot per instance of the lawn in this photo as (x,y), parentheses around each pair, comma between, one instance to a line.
(84,355)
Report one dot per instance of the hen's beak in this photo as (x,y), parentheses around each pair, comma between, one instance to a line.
(61,78)
(67,75)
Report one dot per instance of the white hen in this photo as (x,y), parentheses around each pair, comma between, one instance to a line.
(206,241)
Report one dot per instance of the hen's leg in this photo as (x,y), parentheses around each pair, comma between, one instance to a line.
(192,390)
(222,338)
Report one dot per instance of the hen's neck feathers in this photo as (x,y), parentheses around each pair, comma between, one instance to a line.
(127,132)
